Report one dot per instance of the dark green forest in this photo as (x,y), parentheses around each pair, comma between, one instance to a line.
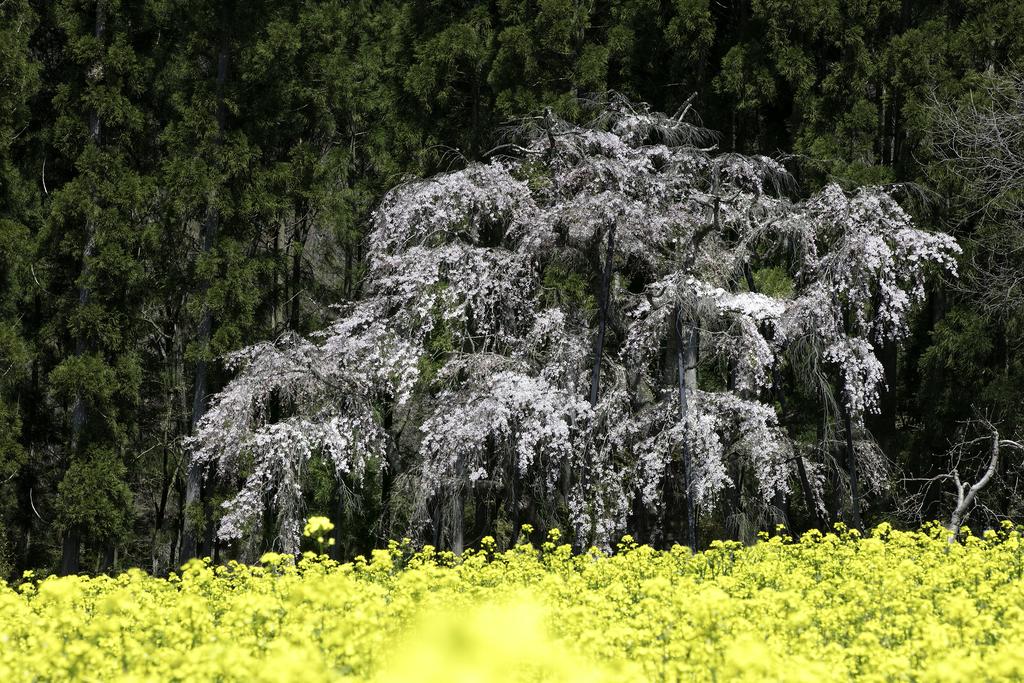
(181,179)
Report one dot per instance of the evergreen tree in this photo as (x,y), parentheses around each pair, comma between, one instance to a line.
(94,244)
(19,82)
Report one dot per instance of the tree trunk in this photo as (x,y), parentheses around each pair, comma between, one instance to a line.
(641,519)
(72,541)
(295,288)
(883,425)
(338,551)
(686,362)
(481,523)
(436,518)
(78,413)
(387,479)
(687,354)
(781,505)
(851,463)
(458,519)
(801,469)
(194,485)
(604,297)
(108,558)
(69,562)
(347,282)
(805,485)
(278,293)
(602,316)
(967,495)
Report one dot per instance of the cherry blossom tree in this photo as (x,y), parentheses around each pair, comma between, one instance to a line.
(466,376)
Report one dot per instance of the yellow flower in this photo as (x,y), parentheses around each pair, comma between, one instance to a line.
(832,606)
(317,526)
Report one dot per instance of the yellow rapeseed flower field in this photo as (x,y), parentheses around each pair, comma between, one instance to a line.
(891,606)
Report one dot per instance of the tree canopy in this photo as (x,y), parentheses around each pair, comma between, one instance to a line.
(455,371)
(497,286)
